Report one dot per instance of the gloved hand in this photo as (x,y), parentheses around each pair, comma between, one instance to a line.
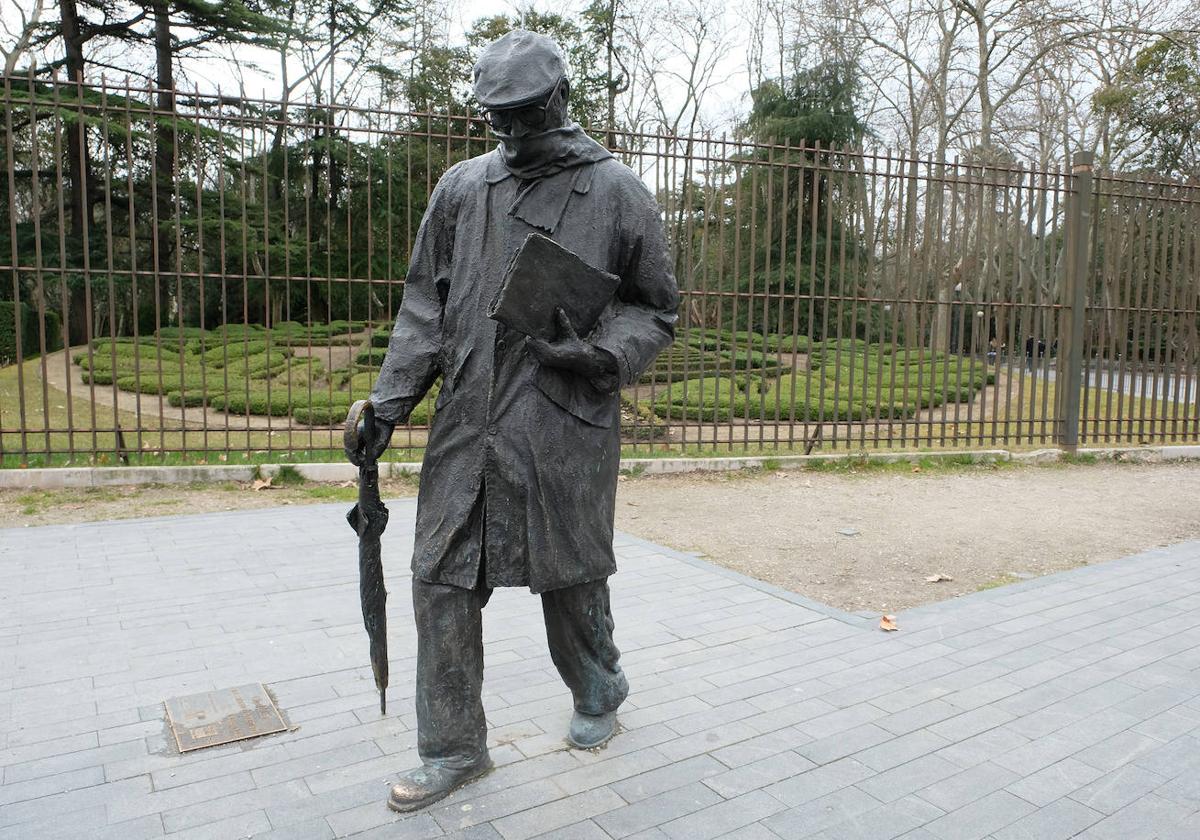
(381,436)
(572,353)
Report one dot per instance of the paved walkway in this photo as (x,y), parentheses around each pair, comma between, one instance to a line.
(1063,707)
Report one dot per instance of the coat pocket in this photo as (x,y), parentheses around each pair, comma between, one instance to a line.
(575,395)
(452,376)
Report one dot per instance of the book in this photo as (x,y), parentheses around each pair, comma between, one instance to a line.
(543,276)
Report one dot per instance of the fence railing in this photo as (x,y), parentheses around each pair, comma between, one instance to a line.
(219,277)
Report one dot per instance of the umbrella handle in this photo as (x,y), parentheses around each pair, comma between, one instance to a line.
(361,412)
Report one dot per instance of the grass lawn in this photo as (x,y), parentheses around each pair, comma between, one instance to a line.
(860,396)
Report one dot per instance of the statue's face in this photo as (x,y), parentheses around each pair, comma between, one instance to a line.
(526,120)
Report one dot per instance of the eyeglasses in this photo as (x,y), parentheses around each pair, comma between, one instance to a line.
(531,116)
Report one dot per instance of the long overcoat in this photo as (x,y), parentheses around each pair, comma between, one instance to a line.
(522,460)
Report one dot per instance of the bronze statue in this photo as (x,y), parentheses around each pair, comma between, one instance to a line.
(520,471)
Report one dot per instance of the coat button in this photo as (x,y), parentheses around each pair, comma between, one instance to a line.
(491,430)
(500,345)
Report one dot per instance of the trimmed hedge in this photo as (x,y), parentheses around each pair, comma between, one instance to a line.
(372,356)
(145,356)
(30,332)
(683,361)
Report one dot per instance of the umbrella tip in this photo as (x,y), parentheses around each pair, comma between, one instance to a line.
(382,702)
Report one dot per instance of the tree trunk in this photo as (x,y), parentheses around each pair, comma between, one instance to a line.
(78,166)
(164,145)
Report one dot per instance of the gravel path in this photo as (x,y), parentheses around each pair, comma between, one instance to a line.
(868,542)
(859,541)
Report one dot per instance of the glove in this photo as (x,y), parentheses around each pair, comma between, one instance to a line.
(570,352)
(381,437)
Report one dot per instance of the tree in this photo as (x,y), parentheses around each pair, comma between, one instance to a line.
(1155,102)
(18,38)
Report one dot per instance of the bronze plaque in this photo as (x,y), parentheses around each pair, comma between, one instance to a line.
(220,717)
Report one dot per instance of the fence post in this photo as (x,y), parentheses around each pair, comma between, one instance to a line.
(1077,232)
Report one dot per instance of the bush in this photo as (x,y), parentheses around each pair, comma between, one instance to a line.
(97,377)
(255,400)
(176,333)
(189,399)
(712,398)
(235,351)
(683,361)
(372,356)
(259,365)
(802,397)
(30,332)
(127,356)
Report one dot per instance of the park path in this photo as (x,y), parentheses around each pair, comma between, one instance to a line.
(1066,706)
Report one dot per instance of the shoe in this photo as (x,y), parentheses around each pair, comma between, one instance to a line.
(431,782)
(590,731)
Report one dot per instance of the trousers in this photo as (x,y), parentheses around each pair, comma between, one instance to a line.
(451,728)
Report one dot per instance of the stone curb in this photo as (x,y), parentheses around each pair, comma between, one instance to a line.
(62,477)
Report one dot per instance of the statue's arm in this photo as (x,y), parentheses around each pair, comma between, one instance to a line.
(648,298)
(411,363)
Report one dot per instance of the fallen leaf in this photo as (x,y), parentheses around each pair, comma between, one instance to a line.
(261,484)
(916,469)
(347,484)
(848,532)
(938,578)
(888,622)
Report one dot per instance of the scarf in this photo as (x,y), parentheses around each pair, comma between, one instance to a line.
(537,156)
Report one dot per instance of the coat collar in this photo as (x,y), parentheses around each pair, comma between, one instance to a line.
(542,202)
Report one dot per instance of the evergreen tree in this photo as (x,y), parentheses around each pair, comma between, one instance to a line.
(1156,105)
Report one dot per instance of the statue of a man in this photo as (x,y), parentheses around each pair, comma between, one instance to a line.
(520,471)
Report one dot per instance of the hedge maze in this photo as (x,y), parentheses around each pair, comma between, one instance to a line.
(706,376)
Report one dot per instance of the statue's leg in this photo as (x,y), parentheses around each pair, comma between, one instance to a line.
(579,628)
(451,728)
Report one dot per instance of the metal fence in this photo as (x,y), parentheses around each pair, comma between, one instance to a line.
(213,275)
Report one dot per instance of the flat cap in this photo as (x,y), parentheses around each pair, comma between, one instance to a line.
(517,69)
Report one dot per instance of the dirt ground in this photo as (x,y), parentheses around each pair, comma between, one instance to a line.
(862,541)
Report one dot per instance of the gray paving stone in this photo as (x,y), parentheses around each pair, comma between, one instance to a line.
(821,813)
(724,817)
(755,831)
(1081,704)
(558,814)
(312,829)
(915,775)
(657,810)
(832,747)
(1059,820)
(983,747)
(1038,753)
(583,830)
(594,774)
(1143,819)
(1113,791)
(1167,726)
(981,817)
(459,814)
(820,781)
(667,778)
(1187,829)
(243,825)
(760,747)
(961,789)
(901,750)
(1054,782)
(758,774)
(883,823)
